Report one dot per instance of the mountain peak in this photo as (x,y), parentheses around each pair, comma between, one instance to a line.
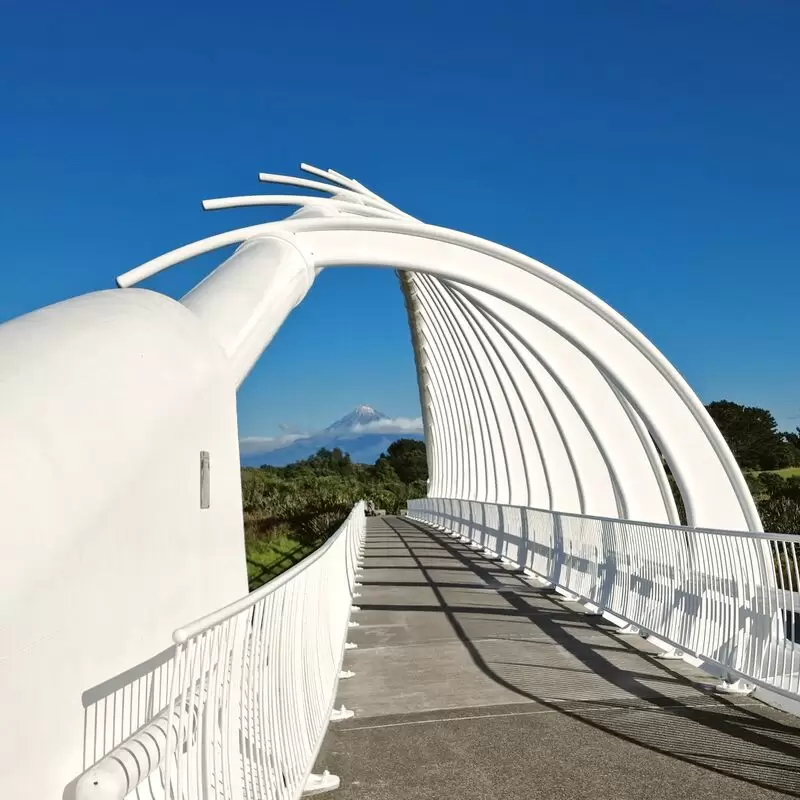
(360,415)
(364,433)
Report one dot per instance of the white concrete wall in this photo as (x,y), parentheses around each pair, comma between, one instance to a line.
(106,402)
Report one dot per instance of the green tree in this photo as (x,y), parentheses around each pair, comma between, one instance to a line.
(772,483)
(792,441)
(409,460)
(330,462)
(384,472)
(780,514)
(793,438)
(291,510)
(752,434)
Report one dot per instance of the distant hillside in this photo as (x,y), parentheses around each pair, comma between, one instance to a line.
(364,434)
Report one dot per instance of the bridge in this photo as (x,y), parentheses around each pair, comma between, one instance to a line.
(475,680)
(551,596)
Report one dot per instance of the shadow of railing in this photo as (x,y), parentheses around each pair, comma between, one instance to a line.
(288,559)
(713,594)
(736,739)
(118,707)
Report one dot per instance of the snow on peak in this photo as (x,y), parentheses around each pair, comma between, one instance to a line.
(359,416)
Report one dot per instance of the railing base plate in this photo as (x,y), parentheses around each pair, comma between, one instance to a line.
(317,784)
(338,714)
(629,630)
(739,687)
(673,654)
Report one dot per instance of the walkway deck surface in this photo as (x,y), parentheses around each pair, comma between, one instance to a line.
(473,683)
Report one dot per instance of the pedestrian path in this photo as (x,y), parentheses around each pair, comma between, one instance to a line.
(471,682)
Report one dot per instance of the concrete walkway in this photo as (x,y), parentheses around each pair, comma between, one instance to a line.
(472,683)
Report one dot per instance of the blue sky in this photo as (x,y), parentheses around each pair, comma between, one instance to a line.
(648,150)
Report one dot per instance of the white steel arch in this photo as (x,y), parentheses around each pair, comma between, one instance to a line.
(483,309)
(534,394)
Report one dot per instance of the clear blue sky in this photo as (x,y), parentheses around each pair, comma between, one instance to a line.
(649,150)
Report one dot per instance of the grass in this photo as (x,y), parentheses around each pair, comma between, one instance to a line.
(786,472)
(266,559)
(273,547)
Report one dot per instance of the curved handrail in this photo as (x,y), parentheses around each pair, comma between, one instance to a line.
(227,691)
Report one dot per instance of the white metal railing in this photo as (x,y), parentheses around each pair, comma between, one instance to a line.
(253,687)
(728,598)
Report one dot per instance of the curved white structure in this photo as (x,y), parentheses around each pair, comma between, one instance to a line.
(523,372)
(118,405)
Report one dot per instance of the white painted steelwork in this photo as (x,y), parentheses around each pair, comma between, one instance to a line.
(253,687)
(121,512)
(534,391)
(727,598)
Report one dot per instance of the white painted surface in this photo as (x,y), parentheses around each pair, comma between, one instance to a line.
(534,392)
(106,402)
(552,324)
(247,298)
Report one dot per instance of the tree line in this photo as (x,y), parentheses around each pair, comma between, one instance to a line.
(769,458)
(289,510)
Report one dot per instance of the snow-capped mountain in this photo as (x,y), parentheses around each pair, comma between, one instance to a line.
(359,416)
(364,433)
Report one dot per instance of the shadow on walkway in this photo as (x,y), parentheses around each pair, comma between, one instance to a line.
(655,708)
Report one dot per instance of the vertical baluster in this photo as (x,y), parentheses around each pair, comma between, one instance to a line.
(180,769)
(201,767)
(694,589)
(230,745)
(289,664)
(712,565)
(793,683)
(212,712)
(260,745)
(659,572)
(176,688)
(753,569)
(277,750)
(193,731)
(773,605)
(785,592)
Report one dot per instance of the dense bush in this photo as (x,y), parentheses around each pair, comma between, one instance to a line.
(753,436)
(289,510)
(760,449)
